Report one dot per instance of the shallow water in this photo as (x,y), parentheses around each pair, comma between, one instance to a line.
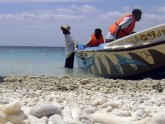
(36,61)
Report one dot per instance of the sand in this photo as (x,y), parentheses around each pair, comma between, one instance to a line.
(67,100)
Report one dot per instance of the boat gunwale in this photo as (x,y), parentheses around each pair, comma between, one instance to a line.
(123,49)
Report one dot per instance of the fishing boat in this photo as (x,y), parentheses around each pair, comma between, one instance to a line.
(137,56)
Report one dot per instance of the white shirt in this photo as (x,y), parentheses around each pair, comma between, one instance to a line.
(69,45)
(125,23)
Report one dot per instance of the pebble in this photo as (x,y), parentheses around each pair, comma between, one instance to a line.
(67,100)
(45,109)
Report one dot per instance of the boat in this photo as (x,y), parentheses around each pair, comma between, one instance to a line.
(137,56)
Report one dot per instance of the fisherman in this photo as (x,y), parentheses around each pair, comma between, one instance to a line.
(96,38)
(70,45)
(124,26)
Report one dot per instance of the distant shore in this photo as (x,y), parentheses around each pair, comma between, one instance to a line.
(68,100)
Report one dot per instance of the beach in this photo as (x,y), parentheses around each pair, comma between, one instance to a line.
(67,100)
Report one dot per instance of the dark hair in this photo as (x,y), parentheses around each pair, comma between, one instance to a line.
(98,31)
(136,11)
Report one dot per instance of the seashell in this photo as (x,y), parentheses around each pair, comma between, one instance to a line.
(123,113)
(109,109)
(84,116)
(90,110)
(114,105)
(31,104)
(83,82)
(105,105)
(98,102)
(61,99)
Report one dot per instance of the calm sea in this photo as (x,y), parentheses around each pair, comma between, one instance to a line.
(36,61)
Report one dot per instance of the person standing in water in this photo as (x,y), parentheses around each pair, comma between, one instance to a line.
(69,47)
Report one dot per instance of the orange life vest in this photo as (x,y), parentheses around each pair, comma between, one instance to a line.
(95,42)
(122,32)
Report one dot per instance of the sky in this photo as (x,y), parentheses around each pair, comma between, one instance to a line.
(38,22)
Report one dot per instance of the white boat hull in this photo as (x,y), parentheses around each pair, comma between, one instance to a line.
(125,59)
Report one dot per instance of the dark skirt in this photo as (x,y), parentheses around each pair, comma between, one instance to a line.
(69,63)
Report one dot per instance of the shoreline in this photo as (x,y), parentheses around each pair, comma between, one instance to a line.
(82,100)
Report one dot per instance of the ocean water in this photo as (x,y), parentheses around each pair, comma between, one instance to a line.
(36,61)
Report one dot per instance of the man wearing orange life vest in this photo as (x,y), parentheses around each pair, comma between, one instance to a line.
(124,26)
(96,38)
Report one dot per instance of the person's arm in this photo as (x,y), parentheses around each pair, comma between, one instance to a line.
(75,42)
(117,31)
(89,42)
(101,39)
(126,22)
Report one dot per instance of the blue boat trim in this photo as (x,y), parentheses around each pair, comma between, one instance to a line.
(86,63)
(123,60)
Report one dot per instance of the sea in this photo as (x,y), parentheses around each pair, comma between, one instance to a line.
(37,61)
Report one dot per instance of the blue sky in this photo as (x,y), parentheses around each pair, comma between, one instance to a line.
(37,22)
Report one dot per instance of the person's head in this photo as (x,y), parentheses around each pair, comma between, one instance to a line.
(98,33)
(65,29)
(137,13)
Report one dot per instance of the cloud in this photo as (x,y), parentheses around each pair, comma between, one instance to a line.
(161,9)
(71,13)
(126,8)
(89,9)
(153,17)
(85,9)
(64,10)
(63,14)
(110,15)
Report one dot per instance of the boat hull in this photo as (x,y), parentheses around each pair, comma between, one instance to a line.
(131,63)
